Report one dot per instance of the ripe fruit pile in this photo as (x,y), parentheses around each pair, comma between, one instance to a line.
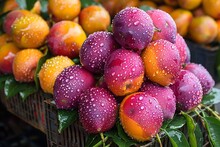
(143,66)
(201,18)
(139,72)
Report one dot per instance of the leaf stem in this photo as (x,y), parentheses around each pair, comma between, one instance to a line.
(213,112)
(101,141)
(158,138)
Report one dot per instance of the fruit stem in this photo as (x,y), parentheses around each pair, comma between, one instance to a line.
(213,112)
(101,141)
(158,138)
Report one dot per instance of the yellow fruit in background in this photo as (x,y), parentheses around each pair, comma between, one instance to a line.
(25,64)
(4,38)
(50,70)
(203,29)
(29,31)
(171,2)
(166,8)
(64,9)
(94,18)
(182,19)
(9,5)
(212,8)
(189,4)
(218,35)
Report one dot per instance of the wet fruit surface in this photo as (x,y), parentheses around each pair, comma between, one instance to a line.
(203,75)
(133,28)
(124,72)
(50,70)
(7,54)
(97,110)
(141,116)
(25,63)
(96,49)
(69,84)
(66,38)
(165,27)
(89,19)
(162,62)
(188,91)
(164,96)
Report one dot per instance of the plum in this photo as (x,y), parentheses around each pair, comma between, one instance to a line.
(97,110)
(203,75)
(124,72)
(162,62)
(183,49)
(133,28)
(141,116)
(188,91)
(165,26)
(95,51)
(69,84)
(164,95)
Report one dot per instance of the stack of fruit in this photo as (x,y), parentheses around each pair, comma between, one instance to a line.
(141,69)
(201,18)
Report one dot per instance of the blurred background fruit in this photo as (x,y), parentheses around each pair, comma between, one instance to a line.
(211,7)
(90,17)
(64,10)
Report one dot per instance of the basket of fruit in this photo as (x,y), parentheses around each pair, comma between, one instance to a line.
(126,83)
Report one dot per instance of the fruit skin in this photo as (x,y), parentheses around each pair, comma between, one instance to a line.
(189,4)
(5,38)
(218,35)
(10,5)
(141,116)
(69,84)
(11,17)
(25,63)
(124,72)
(89,19)
(29,31)
(164,24)
(203,75)
(133,28)
(95,51)
(66,38)
(180,16)
(50,70)
(164,96)
(64,10)
(97,110)
(211,7)
(162,62)
(183,49)
(188,91)
(7,54)
(204,25)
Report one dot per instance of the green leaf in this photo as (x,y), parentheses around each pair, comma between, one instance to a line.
(166,123)
(177,122)
(212,98)
(146,7)
(12,87)
(44,11)
(177,138)
(28,91)
(213,126)
(92,140)
(66,118)
(3,78)
(191,126)
(199,136)
(26,4)
(86,3)
(40,63)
